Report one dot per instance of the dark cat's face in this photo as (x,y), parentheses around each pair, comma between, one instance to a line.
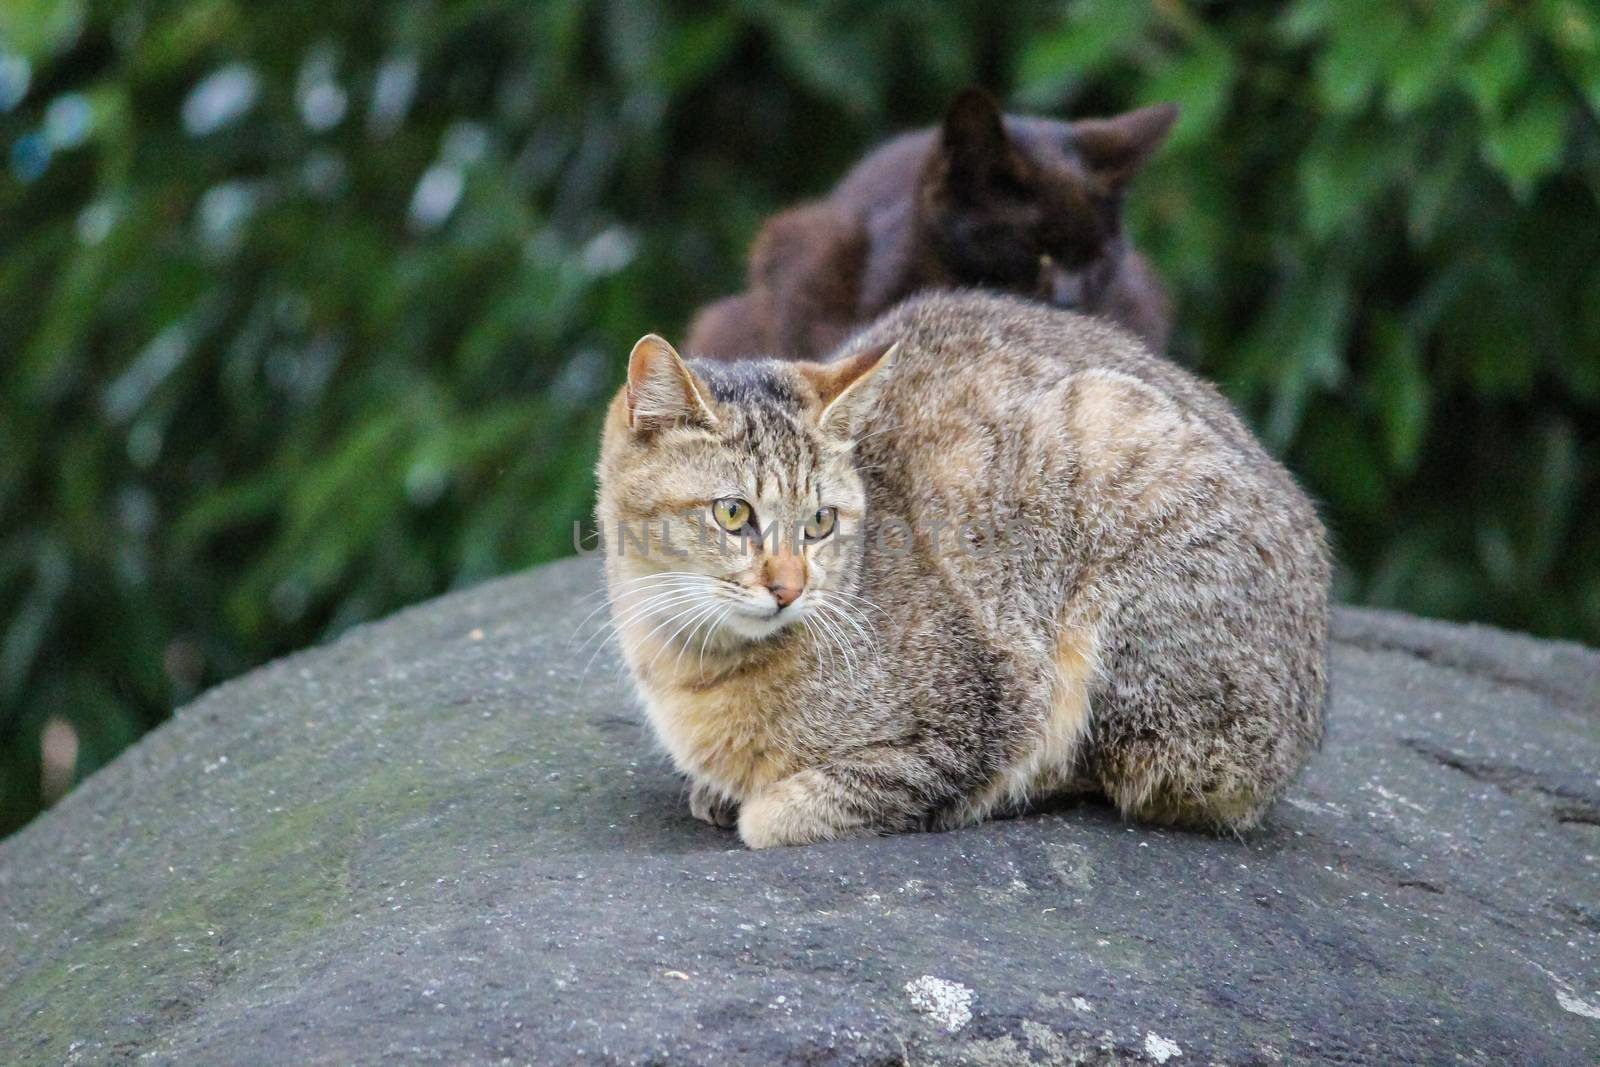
(1034,206)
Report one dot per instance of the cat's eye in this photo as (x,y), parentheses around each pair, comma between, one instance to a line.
(731,513)
(821,524)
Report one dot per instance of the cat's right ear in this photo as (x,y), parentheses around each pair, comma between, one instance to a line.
(662,390)
(973,141)
(848,388)
(1118,147)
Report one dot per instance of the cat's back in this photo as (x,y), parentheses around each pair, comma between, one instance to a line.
(886,177)
(960,344)
(992,393)
(1117,468)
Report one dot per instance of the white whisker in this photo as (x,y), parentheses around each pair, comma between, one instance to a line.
(656,600)
(819,612)
(636,612)
(706,639)
(611,588)
(668,579)
(813,623)
(633,612)
(859,602)
(842,611)
(688,642)
(693,618)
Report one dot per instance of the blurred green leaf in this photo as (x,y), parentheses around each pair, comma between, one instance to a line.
(1527,144)
(1307,21)
(36,28)
(1558,474)
(1339,454)
(1434,182)
(1400,392)
(1364,37)
(1422,70)
(1341,175)
(1093,33)
(1199,83)
(835,65)
(28,628)
(1298,346)
(1573,30)
(1498,67)
(695,48)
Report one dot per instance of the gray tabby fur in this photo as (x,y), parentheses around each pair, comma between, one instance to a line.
(1145,616)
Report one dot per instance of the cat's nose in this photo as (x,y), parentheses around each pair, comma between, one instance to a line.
(1066,288)
(785,578)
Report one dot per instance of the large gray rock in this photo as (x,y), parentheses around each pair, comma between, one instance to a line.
(438,840)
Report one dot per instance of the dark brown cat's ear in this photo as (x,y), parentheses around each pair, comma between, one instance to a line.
(848,388)
(973,140)
(662,390)
(1116,148)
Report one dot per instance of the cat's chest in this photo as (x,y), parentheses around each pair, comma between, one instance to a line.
(728,735)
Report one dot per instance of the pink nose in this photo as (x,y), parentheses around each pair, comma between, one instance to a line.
(785,578)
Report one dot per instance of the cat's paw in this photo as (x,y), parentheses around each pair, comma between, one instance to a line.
(792,811)
(708,805)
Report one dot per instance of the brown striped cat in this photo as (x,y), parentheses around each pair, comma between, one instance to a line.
(992,552)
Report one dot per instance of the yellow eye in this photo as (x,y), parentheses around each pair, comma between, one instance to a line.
(821,524)
(731,513)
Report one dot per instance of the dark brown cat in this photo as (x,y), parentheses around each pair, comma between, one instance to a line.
(1023,205)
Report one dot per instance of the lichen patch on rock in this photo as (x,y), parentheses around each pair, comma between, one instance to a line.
(1159,1048)
(947,1003)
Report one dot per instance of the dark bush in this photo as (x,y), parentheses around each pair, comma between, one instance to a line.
(308,310)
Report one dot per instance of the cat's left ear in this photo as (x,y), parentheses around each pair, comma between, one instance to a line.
(662,390)
(1118,147)
(848,388)
(973,144)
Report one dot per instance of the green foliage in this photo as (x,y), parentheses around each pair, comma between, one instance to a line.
(309,311)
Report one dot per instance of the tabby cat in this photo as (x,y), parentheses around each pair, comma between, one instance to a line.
(1031,206)
(992,552)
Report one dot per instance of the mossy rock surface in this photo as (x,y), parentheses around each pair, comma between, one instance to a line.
(440,840)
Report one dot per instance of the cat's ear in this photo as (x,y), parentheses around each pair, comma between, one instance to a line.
(973,141)
(1117,148)
(847,389)
(662,390)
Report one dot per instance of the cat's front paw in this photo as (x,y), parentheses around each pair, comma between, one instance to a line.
(708,805)
(792,811)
